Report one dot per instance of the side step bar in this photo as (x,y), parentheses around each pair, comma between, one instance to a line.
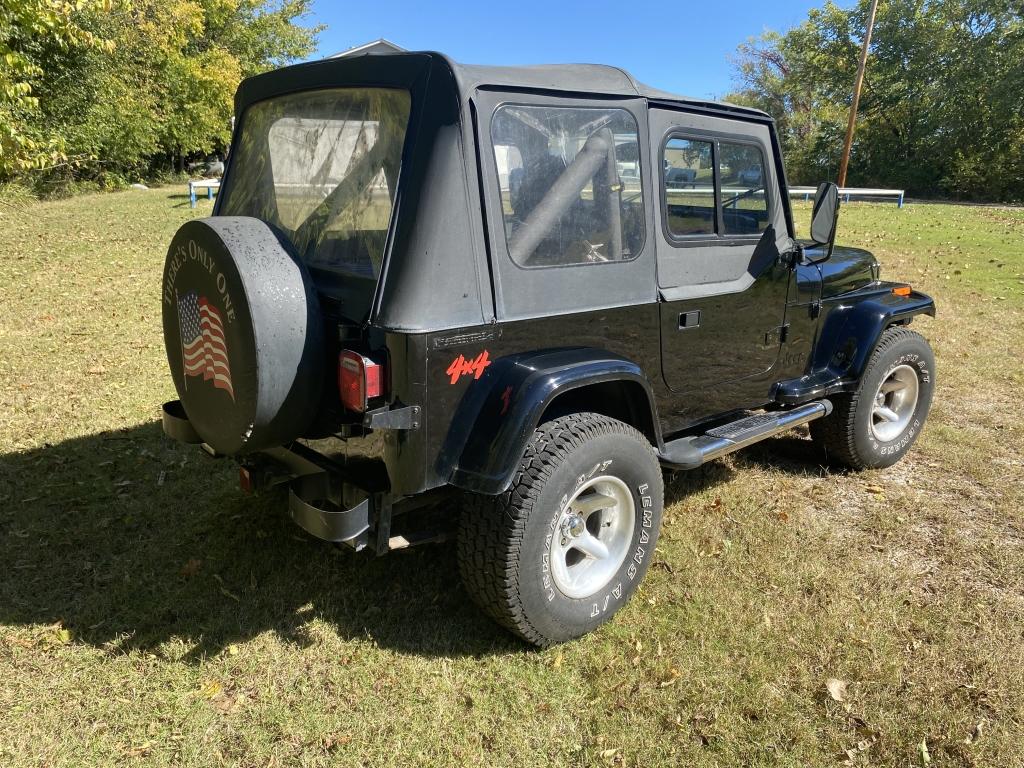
(692,451)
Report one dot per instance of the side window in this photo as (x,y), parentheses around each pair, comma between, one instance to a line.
(743,201)
(713,188)
(689,187)
(569,180)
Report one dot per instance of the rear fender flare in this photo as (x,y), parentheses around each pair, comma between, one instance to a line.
(496,418)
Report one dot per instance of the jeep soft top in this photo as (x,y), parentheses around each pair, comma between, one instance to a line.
(503,299)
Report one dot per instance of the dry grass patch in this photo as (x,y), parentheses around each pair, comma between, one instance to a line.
(152,615)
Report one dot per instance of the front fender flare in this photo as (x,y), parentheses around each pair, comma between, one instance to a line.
(849,334)
(498,414)
(852,331)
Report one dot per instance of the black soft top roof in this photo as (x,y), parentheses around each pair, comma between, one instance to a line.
(577,78)
(436,272)
(596,79)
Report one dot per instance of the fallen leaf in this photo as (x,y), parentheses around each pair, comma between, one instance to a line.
(226,704)
(836,688)
(873,488)
(210,688)
(926,757)
(333,742)
(670,678)
(233,650)
(191,568)
(557,663)
(142,750)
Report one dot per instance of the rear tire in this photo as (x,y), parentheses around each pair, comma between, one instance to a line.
(877,424)
(559,552)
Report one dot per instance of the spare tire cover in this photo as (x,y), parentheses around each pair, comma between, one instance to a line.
(243,333)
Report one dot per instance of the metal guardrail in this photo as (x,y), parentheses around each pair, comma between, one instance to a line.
(208,184)
(807,193)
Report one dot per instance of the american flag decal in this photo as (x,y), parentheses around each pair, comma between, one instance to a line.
(203,347)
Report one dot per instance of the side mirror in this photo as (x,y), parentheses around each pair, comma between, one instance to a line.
(825,215)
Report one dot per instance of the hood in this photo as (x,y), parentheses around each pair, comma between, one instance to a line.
(848,270)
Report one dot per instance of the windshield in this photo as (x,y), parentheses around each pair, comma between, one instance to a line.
(322,167)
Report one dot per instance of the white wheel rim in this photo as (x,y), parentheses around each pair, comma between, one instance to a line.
(592,536)
(894,403)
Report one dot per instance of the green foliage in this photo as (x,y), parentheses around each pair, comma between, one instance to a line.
(24,26)
(942,110)
(103,92)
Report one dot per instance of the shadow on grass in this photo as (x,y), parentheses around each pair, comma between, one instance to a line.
(793,453)
(130,540)
(185,200)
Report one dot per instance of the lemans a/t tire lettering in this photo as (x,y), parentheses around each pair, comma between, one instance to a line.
(506,542)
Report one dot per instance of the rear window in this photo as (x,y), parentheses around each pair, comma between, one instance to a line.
(322,167)
(569,181)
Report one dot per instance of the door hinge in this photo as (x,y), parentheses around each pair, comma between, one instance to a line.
(776,336)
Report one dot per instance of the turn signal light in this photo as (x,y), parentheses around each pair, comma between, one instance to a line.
(901,290)
(359,380)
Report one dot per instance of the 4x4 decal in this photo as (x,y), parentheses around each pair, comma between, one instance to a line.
(462,367)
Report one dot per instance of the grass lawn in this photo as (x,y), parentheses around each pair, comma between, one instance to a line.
(150,614)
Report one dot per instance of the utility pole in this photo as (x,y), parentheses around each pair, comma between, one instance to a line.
(857,83)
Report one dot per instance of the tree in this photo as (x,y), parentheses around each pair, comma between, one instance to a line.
(24,26)
(135,86)
(942,111)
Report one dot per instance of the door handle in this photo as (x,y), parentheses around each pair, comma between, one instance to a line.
(688,320)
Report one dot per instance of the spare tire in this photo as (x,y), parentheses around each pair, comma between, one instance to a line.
(243,333)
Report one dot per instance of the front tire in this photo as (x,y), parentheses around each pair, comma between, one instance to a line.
(876,425)
(559,552)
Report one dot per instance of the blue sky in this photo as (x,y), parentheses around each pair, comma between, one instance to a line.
(680,46)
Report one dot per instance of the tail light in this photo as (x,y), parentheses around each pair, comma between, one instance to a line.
(359,380)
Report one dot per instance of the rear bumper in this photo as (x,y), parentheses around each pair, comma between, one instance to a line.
(320,498)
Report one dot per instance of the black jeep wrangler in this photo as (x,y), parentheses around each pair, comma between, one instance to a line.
(437,297)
